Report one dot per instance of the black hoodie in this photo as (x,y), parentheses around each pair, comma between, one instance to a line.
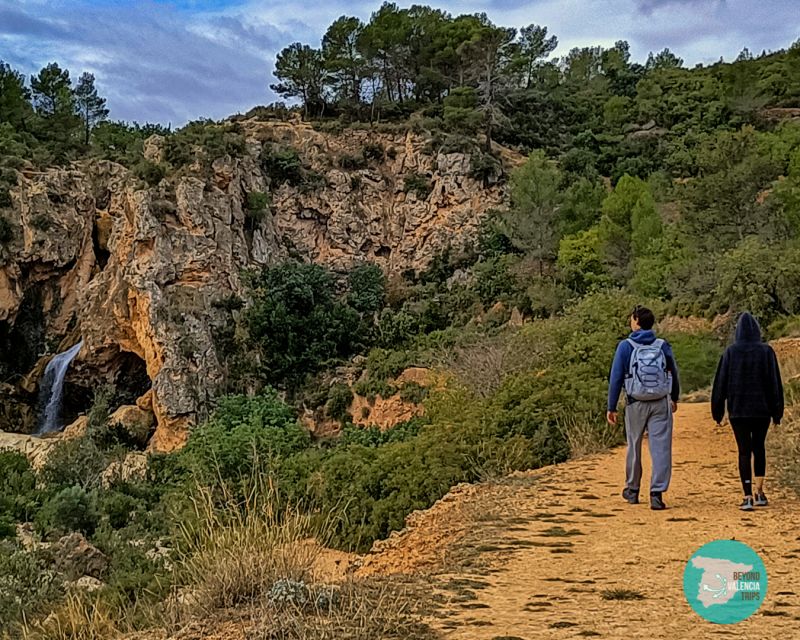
(748,377)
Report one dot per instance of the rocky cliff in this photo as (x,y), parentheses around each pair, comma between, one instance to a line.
(141,272)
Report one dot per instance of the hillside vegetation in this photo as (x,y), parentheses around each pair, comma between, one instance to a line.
(644,184)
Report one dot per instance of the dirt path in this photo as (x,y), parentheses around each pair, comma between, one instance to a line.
(557,538)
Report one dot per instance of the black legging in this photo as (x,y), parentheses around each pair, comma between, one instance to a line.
(750,436)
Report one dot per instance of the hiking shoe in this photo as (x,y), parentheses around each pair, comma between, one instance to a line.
(656,503)
(631,496)
(747,504)
(761,500)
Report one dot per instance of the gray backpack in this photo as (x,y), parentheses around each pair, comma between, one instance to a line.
(648,378)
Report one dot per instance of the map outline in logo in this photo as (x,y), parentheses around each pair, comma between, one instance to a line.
(725,581)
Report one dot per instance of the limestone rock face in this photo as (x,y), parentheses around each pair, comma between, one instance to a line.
(138,272)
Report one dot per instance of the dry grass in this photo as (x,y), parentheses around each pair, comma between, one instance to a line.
(784,440)
(356,610)
(78,618)
(586,435)
(235,550)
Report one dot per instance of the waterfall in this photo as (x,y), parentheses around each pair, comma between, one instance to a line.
(52,388)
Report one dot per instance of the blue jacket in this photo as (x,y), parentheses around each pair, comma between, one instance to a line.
(622,361)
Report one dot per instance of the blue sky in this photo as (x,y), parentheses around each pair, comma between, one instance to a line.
(171,61)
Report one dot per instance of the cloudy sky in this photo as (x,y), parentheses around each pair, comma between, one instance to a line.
(171,61)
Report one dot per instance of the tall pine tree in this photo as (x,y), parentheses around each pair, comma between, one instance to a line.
(90,106)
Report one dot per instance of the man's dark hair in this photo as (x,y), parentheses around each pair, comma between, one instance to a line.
(644,317)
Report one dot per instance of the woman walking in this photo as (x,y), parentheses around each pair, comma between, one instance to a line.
(748,381)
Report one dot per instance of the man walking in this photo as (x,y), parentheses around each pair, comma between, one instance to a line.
(646,367)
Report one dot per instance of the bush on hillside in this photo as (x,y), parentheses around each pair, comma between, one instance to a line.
(74,462)
(19,499)
(28,586)
(697,357)
(71,509)
(241,434)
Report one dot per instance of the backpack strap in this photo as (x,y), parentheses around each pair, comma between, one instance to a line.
(635,346)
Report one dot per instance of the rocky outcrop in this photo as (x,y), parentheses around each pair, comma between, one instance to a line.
(141,273)
(74,557)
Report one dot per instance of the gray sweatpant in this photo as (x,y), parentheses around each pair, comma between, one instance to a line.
(656,418)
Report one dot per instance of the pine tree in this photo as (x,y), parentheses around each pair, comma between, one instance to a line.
(90,106)
(15,107)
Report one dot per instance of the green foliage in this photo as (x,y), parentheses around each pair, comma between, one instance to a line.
(243,434)
(367,288)
(531,223)
(20,498)
(71,509)
(258,204)
(339,398)
(74,462)
(580,261)
(5,200)
(461,111)
(761,278)
(496,281)
(28,587)
(204,141)
(697,357)
(373,151)
(282,165)
(151,172)
(418,184)
(296,323)
(375,437)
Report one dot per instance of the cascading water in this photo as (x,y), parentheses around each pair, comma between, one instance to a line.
(52,389)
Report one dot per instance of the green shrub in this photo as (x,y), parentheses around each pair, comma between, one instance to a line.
(496,281)
(205,141)
(19,499)
(413,392)
(370,388)
(375,437)
(71,509)
(367,288)
(296,323)
(5,197)
(75,462)
(373,151)
(28,587)
(150,172)
(697,357)
(241,434)
(117,508)
(486,168)
(281,165)
(257,206)
(339,398)
(418,184)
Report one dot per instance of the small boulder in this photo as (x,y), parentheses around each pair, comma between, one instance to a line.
(87,584)
(75,557)
(131,468)
(137,423)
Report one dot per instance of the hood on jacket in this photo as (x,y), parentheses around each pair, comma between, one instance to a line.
(748,329)
(644,336)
